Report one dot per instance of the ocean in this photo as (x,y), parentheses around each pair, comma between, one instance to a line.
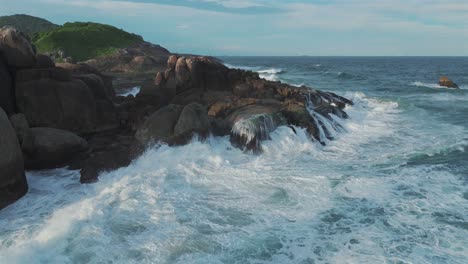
(392,187)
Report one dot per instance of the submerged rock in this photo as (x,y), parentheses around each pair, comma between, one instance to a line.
(446,82)
(13,184)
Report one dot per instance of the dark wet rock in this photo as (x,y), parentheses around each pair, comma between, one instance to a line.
(23,132)
(192,120)
(52,103)
(52,97)
(239,100)
(160,125)
(97,86)
(54,148)
(109,151)
(446,82)
(7,92)
(44,61)
(13,184)
(78,69)
(16,47)
(33,74)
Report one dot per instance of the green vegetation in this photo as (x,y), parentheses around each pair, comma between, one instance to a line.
(27,24)
(84,41)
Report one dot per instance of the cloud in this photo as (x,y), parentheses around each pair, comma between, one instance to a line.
(334,27)
(234,3)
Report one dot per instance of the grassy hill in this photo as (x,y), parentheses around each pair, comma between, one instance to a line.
(84,40)
(27,24)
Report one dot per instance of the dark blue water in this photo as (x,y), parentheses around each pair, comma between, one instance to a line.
(392,188)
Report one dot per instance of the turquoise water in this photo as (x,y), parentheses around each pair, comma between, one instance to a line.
(392,188)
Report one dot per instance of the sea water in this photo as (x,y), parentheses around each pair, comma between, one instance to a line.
(392,187)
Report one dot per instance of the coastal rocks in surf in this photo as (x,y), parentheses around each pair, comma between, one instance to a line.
(13,183)
(239,103)
(160,125)
(446,82)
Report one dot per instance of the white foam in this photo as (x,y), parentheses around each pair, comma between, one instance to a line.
(207,202)
(132,91)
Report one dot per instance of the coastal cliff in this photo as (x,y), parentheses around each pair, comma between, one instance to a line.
(68,114)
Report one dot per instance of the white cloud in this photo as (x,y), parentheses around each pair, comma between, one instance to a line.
(234,3)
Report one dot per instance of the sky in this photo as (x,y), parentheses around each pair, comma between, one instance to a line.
(275,27)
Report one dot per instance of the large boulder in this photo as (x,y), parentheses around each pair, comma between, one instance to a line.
(13,182)
(7,93)
(84,69)
(52,103)
(44,61)
(53,97)
(23,132)
(16,48)
(192,120)
(54,147)
(446,82)
(160,125)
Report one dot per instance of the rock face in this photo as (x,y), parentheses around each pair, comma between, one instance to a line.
(446,82)
(233,102)
(7,93)
(140,58)
(51,97)
(68,114)
(13,183)
(23,132)
(16,48)
(54,147)
(192,120)
(160,125)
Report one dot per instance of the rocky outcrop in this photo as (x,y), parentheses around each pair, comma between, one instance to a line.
(238,103)
(140,58)
(80,69)
(192,120)
(160,125)
(54,148)
(68,114)
(13,183)
(16,47)
(7,93)
(52,97)
(446,82)
(23,132)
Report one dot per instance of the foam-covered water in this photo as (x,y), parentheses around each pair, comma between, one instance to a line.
(132,91)
(390,188)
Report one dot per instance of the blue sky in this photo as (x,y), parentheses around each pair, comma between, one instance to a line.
(275,27)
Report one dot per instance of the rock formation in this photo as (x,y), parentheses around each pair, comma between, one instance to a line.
(13,183)
(68,114)
(231,102)
(446,82)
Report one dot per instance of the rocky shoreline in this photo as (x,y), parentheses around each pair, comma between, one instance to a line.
(54,115)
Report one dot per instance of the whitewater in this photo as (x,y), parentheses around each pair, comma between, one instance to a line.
(391,187)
